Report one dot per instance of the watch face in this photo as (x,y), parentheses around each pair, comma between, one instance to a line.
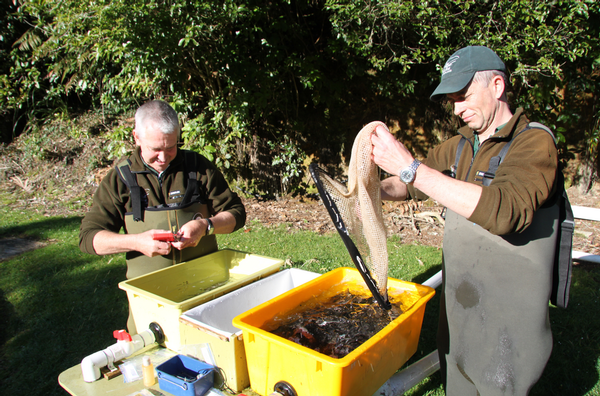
(407,175)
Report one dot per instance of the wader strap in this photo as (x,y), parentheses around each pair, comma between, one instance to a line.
(453,168)
(191,191)
(191,188)
(561,282)
(135,191)
(497,160)
(459,150)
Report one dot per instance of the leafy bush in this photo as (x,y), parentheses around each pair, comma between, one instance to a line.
(312,70)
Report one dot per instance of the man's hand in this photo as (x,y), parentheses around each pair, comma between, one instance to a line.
(192,231)
(106,242)
(392,156)
(388,153)
(190,234)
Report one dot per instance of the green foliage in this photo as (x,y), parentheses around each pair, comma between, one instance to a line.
(288,160)
(194,137)
(120,142)
(312,70)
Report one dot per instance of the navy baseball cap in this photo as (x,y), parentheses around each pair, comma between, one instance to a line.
(462,66)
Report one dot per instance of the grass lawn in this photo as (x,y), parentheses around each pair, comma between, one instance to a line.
(58,305)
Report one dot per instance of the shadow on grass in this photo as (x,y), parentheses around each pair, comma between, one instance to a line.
(422,277)
(58,306)
(40,229)
(573,366)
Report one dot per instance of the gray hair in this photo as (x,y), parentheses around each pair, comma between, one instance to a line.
(158,112)
(485,77)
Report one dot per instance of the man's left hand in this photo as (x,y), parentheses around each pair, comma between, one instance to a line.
(190,234)
(388,153)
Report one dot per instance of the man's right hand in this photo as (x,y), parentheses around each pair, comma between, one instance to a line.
(106,242)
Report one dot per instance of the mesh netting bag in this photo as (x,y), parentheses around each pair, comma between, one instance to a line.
(359,208)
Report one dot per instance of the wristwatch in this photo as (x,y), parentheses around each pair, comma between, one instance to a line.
(407,175)
(210,229)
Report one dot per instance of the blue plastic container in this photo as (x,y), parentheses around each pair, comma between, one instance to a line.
(185,376)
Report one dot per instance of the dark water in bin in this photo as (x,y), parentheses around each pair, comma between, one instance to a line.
(334,325)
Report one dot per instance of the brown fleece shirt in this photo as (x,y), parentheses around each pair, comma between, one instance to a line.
(523,182)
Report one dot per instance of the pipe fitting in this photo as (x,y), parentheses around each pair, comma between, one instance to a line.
(283,388)
(125,346)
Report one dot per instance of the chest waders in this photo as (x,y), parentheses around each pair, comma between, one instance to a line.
(164,217)
(497,338)
(494,333)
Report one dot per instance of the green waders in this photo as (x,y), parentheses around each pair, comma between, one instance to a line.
(494,333)
(162,217)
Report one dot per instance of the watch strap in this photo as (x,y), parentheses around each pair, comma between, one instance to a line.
(408,174)
(210,228)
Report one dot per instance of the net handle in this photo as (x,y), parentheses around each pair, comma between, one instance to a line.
(350,246)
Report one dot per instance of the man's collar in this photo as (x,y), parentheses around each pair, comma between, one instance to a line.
(505,130)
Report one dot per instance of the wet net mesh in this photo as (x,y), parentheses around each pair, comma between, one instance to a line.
(359,205)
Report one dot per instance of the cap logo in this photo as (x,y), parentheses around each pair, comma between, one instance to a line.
(449,63)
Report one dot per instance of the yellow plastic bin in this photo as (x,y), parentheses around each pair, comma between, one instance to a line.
(162,296)
(210,323)
(273,360)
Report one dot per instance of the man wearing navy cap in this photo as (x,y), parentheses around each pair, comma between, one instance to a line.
(494,334)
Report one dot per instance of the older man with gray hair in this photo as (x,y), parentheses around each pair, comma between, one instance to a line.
(160,190)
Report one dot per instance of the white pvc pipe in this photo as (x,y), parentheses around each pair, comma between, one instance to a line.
(585,213)
(91,365)
(583,256)
(406,379)
(435,281)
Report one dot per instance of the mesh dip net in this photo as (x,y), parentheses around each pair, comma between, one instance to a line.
(357,213)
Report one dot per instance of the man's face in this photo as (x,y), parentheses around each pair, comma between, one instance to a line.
(477,105)
(157,149)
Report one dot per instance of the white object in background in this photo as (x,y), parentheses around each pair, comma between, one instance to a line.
(585,213)
(214,392)
(125,346)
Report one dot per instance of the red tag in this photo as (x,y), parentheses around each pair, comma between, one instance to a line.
(164,237)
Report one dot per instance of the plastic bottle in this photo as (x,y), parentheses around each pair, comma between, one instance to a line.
(148,370)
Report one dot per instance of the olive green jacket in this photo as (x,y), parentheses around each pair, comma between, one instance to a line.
(112,199)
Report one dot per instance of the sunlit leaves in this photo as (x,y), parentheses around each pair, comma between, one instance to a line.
(271,71)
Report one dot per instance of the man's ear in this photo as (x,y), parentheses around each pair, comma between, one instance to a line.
(499,86)
(135,137)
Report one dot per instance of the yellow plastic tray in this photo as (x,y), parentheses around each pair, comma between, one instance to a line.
(272,359)
(162,296)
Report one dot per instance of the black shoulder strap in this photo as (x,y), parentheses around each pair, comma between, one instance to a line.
(459,149)
(135,191)
(561,282)
(192,187)
(497,160)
